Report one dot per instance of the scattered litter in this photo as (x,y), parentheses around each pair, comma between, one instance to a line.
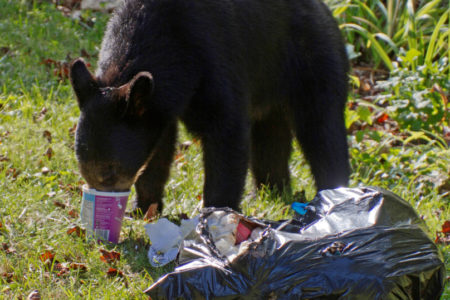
(166,238)
(359,243)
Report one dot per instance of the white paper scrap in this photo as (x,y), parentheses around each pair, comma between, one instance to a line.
(166,238)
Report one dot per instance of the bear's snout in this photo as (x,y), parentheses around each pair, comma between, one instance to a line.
(107,176)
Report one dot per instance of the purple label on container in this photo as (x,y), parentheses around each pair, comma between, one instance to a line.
(108,215)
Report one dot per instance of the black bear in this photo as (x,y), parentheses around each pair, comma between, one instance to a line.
(245,76)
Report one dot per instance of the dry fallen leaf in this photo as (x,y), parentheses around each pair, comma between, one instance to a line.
(60,68)
(41,115)
(8,249)
(7,276)
(59,204)
(49,153)
(114,272)
(73,213)
(78,266)
(446,227)
(48,255)
(179,157)
(13,172)
(443,237)
(444,240)
(78,231)
(62,268)
(109,256)
(381,119)
(73,129)
(47,134)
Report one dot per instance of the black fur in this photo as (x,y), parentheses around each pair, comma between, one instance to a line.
(246,76)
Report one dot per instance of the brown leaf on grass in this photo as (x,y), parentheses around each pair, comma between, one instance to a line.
(72,188)
(41,115)
(60,68)
(12,172)
(446,227)
(78,231)
(112,272)
(109,256)
(179,157)
(383,118)
(7,276)
(73,213)
(8,249)
(77,266)
(441,239)
(59,204)
(73,129)
(49,153)
(48,135)
(47,256)
(365,86)
(62,269)
(4,158)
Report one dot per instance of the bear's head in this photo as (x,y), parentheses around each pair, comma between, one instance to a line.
(116,133)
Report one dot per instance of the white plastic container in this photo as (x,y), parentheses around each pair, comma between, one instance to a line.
(102,213)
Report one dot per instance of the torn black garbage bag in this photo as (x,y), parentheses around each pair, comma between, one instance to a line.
(352,243)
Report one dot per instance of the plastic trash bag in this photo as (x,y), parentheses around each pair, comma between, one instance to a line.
(350,243)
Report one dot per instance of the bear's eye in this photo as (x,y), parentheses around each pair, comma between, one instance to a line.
(106,91)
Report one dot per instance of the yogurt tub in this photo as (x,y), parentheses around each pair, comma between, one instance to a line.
(102,213)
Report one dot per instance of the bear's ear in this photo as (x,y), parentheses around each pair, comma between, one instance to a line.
(83,82)
(139,93)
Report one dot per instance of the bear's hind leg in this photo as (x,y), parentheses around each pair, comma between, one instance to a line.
(271,145)
(320,129)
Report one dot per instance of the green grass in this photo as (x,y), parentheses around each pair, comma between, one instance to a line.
(413,163)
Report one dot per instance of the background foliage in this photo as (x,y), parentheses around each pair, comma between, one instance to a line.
(397,120)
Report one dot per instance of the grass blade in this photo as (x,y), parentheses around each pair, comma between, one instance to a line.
(378,48)
(431,46)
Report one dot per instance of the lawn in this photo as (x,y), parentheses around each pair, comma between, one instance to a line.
(397,119)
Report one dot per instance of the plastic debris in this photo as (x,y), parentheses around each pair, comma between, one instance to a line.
(360,243)
(166,238)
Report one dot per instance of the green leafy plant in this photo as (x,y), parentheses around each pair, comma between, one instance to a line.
(417,100)
(380,29)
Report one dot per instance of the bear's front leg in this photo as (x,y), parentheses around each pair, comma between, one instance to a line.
(150,184)
(226,157)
